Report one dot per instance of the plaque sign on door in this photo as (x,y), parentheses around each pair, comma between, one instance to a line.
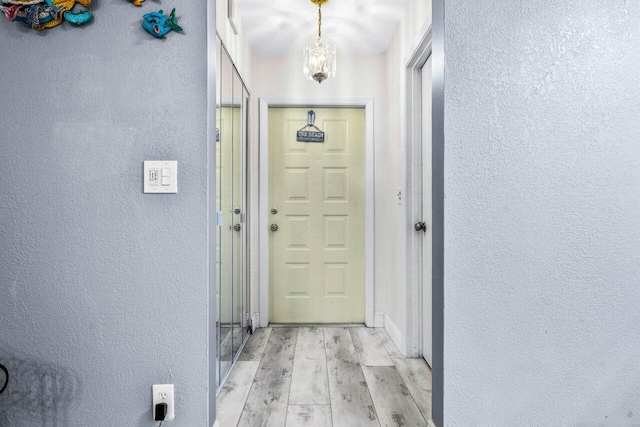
(305,135)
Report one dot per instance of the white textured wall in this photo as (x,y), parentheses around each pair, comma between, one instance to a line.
(103,289)
(542,213)
(393,261)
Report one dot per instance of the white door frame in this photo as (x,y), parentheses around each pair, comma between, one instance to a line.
(413,199)
(274,102)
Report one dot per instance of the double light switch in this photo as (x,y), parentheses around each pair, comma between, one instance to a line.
(161,177)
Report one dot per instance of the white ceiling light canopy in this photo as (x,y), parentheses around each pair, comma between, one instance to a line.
(319,54)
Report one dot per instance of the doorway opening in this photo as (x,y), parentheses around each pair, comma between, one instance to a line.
(316,239)
(291,188)
(419,200)
(423,228)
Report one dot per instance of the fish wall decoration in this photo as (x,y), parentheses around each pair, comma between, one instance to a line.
(158,25)
(42,14)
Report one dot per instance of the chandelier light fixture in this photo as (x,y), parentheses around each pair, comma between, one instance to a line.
(319,54)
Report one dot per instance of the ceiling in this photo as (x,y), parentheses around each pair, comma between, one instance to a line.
(280,27)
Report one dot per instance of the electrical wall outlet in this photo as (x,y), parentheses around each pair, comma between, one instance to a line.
(164,393)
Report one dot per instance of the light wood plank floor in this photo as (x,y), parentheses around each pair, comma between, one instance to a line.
(333,376)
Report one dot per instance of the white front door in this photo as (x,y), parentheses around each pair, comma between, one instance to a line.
(317,200)
(426,212)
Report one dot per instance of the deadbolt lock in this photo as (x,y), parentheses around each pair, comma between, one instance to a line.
(237,211)
(274,227)
(237,227)
(274,211)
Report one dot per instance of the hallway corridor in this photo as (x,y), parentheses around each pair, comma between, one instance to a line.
(314,376)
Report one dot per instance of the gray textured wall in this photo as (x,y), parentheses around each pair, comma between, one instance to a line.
(542,213)
(103,290)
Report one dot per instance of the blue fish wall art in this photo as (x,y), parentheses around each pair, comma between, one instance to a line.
(159,25)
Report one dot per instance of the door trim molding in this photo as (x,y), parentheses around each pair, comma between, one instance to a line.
(212,276)
(267,102)
(413,185)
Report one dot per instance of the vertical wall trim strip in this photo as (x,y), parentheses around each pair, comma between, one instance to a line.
(212,56)
(438,208)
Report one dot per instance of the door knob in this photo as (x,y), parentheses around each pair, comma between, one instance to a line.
(421,226)
(237,227)
(274,227)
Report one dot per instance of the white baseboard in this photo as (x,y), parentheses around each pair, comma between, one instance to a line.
(394,334)
(378,320)
(255,322)
(430,423)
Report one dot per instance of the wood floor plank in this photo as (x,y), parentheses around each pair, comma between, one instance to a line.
(393,402)
(267,401)
(225,344)
(351,403)
(254,348)
(238,334)
(232,337)
(309,381)
(309,416)
(417,376)
(225,353)
(388,343)
(234,392)
(359,396)
(369,347)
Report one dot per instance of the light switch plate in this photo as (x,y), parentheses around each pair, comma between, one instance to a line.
(164,393)
(160,177)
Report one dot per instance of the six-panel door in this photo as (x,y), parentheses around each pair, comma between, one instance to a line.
(317,254)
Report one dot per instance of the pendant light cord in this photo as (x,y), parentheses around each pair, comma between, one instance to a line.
(319,20)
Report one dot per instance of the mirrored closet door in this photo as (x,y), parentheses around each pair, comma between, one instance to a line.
(231,248)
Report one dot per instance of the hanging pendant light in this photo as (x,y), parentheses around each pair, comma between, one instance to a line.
(319,54)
